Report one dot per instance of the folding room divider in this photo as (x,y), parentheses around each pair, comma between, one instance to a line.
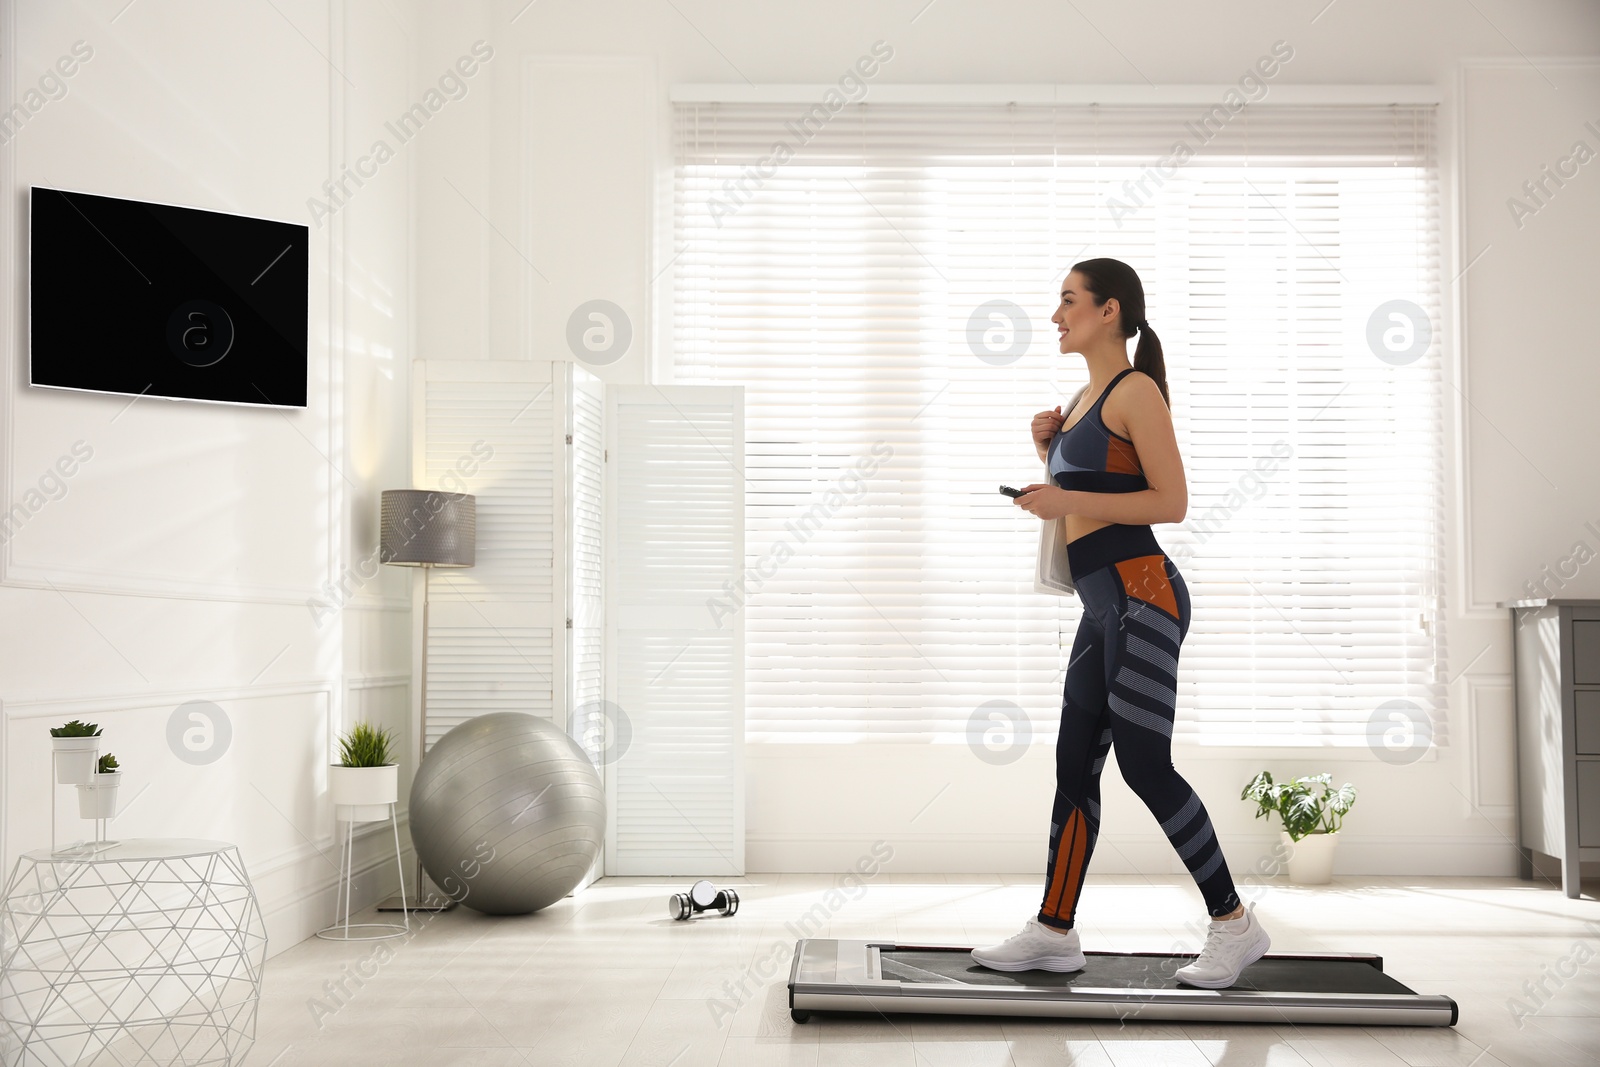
(609,517)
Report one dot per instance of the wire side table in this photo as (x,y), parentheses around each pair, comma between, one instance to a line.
(149,952)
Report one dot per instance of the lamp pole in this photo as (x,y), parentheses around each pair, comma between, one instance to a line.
(425,528)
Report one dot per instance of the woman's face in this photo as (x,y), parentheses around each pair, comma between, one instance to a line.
(1078,321)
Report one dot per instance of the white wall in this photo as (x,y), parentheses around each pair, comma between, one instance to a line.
(180,562)
(566,86)
(1531,265)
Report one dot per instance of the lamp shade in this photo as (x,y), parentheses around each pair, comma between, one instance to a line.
(427,528)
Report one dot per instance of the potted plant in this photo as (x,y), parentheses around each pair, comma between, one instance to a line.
(1312,811)
(75,744)
(366,780)
(97,797)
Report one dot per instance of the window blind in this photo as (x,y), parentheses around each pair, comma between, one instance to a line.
(857,276)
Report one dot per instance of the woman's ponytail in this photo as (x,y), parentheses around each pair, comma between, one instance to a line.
(1148,358)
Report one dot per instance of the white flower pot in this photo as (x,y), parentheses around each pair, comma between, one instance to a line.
(1311,858)
(363,794)
(97,798)
(76,758)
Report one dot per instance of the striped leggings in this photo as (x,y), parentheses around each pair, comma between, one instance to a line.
(1122,685)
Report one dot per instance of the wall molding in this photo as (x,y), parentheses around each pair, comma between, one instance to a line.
(1478,688)
(372,603)
(376,681)
(123,700)
(112,583)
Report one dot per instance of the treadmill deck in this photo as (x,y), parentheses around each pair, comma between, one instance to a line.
(876,976)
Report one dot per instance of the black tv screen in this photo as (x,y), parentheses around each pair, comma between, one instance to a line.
(163,301)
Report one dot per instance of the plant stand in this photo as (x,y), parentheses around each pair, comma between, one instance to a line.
(77,848)
(345,930)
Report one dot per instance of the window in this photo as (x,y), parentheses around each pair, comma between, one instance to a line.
(881,283)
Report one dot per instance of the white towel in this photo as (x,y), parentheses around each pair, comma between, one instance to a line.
(1052,573)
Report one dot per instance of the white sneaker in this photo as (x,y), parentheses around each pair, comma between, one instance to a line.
(1230,947)
(1037,948)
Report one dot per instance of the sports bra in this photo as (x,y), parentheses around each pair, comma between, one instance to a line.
(1091,457)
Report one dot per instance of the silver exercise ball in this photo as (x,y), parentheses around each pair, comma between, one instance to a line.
(507,813)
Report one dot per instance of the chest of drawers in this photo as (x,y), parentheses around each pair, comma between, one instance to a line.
(1557,685)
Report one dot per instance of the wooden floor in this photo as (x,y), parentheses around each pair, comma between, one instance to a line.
(608,978)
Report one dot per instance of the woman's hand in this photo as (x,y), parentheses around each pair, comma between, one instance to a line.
(1045,501)
(1046,425)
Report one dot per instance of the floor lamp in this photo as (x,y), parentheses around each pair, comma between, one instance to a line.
(425,528)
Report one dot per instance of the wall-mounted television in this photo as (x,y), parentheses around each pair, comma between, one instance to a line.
(156,300)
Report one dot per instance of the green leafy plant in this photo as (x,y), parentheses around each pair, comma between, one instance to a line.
(76,729)
(366,746)
(108,763)
(1309,805)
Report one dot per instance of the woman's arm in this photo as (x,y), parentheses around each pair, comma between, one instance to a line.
(1130,509)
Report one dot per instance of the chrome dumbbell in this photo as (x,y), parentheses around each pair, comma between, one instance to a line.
(702,896)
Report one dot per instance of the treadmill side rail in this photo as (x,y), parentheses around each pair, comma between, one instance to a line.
(843,975)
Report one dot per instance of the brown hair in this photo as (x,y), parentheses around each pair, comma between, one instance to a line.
(1107,278)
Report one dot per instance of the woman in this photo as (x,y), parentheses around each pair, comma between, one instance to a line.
(1116,469)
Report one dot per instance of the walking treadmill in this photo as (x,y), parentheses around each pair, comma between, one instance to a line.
(876,976)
